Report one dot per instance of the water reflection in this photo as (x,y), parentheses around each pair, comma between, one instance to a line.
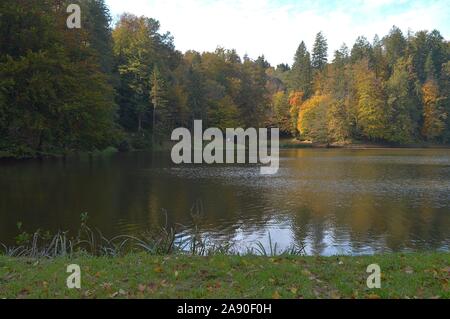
(331,201)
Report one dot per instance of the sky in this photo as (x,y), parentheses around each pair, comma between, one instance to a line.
(275,28)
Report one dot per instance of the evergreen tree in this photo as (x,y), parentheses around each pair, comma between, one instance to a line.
(361,50)
(395,46)
(320,52)
(402,104)
(301,75)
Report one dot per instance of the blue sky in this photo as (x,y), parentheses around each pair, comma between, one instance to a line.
(276,27)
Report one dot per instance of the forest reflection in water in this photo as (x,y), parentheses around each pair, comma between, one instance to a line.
(333,201)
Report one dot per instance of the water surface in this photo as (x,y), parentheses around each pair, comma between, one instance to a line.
(331,201)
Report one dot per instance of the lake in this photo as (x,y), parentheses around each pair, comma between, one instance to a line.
(332,201)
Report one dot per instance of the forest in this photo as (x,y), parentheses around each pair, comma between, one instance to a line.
(124,85)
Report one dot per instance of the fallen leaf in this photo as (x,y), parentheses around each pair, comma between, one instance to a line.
(152,287)
(122,292)
(276,295)
(335,295)
(142,288)
(409,270)
(106,285)
(373,296)
(306,272)
(158,269)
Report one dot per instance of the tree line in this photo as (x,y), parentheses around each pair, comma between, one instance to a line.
(65,90)
(393,90)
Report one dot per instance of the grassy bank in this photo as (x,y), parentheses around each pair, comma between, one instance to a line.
(146,276)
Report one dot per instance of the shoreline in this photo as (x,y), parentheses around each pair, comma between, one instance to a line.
(293,144)
(285,144)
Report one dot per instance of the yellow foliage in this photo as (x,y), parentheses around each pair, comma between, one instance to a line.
(296,100)
(434,117)
(312,119)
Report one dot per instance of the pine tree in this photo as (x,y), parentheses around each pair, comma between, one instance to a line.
(300,75)
(320,52)
(429,68)
(361,50)
(395,46)
(97,19)
(402,104)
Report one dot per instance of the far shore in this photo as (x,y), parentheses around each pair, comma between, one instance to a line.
(285,143)
(288,143)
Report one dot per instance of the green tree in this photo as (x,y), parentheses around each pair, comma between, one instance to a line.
(395,46)
(158,96)
(55,97)
(402,104)
(361,50)
(320,52)
(138,48)
(301,74)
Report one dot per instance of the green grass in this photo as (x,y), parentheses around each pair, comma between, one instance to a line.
(144,276)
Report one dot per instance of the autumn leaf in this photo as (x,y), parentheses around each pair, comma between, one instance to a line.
(446,269)
(276,295)
(158,269)
(122,292)
(107,286)
(306,272)
(409,270)
(142,288)
(335,295)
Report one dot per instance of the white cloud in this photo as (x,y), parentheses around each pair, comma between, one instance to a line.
(276,28)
